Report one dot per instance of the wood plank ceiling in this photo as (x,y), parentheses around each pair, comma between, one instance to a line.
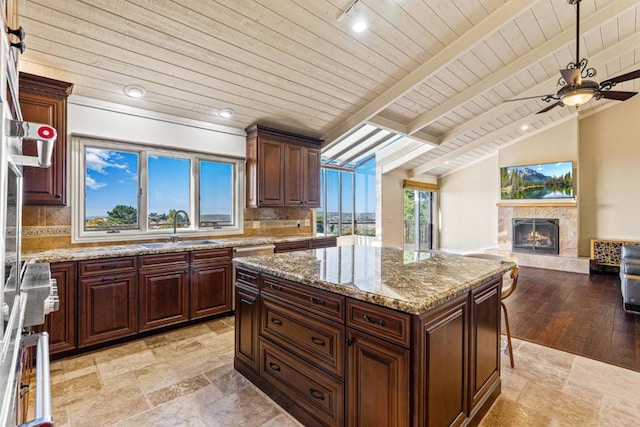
(434,71)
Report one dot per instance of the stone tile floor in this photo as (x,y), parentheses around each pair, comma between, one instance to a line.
(186,378)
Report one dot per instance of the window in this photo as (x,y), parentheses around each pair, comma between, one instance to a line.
(418,219)
(129,192)
(348,200)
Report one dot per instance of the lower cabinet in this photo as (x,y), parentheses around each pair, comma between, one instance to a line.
(210,283)
(247,326)
(374,365)
(107,307)
(61,324)
(163,297)
(336,361)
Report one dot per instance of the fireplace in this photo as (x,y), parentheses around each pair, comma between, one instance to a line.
(536,235)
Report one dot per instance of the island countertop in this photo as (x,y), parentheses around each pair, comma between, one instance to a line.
(408,281)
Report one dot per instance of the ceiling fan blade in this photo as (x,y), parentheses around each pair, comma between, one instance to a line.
(571,76)
(617,95)
(555,104)
(623,78)
(541,97)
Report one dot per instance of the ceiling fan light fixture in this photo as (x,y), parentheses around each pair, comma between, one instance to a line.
(577,97)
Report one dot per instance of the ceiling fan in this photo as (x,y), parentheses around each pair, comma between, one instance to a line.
(575,88)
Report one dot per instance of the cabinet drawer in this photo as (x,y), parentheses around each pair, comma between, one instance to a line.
(316,301)
(292,246)
(211,255)
(319,342)
(379,321)
(247,277)
(325,242)
(320,395)
(109,265)
(163,260)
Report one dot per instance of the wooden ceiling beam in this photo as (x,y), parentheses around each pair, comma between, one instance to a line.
(489,25)
(400,129)
(597,61)
(590,23)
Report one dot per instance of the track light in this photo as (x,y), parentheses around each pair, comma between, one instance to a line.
(360,24)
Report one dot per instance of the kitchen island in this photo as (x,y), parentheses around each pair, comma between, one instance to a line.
(368,336)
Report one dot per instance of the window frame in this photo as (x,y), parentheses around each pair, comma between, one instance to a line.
(78,188)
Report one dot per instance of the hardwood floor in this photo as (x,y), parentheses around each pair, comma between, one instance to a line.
(577,313)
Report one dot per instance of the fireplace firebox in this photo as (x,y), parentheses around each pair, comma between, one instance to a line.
(536,235)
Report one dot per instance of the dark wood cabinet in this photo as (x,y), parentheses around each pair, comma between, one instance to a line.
(393,368)
(61,324)
(484,370)
(107,300)
(302,176)
(378,382)
(283,169)
(291,246)
(163,290)
(210,283)
(444,344)
(44,100)
(247,325)
(323,242)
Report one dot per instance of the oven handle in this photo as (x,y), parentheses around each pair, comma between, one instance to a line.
(43,380)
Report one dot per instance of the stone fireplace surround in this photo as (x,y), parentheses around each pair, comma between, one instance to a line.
(567,213)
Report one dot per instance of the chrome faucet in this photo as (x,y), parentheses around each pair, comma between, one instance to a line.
(174,237)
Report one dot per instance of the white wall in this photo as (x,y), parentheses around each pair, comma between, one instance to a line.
(467,209)
(468,197)
(99,119)
(609,174)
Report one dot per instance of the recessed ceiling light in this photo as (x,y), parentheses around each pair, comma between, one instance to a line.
(134,91)
(359,26)
(225,113)
(524,127)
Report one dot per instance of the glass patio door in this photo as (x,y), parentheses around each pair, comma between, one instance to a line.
(418,219)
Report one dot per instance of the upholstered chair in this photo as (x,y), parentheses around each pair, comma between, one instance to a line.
(630,278)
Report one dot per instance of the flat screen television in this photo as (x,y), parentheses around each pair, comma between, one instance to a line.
(537,181)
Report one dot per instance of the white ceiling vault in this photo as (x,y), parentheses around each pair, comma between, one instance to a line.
(434,71)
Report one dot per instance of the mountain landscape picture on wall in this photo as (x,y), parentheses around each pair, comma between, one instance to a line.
(542,181)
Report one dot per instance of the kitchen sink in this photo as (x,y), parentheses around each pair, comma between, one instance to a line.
(181,244)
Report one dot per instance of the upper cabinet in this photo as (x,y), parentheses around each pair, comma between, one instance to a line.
(44,100)
(283,169)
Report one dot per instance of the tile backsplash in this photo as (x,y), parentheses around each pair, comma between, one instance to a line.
(49,227)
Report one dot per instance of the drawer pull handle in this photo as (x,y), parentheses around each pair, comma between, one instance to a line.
(276,321)
(316,394)
(274,367)
(108,279)
(275,287)
(317,301)
(318,341)
(104,266)
(245,277)
(370,320)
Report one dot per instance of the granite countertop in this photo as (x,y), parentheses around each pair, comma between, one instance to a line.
(412,282)
(109,251)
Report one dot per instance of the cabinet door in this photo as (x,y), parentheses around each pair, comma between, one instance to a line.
(378,382)
(107,308)
(444,366)
(311,178)
(44,101)
(270,173)
(294,188)
(485,342)
(61,324)
(210,289)
(163,297)
(247,324)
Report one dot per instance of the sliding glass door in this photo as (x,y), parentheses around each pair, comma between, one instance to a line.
(418,219)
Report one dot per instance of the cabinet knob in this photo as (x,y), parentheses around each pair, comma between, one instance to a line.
(58,195)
